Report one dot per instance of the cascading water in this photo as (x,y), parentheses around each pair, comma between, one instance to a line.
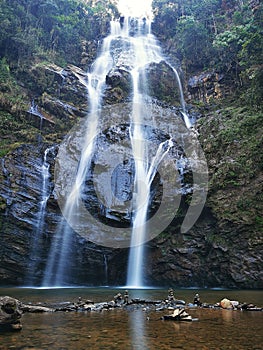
(40,220)
(105,263)
(137,48)
(34,111)
(57,262)
(146,51)
(45,189)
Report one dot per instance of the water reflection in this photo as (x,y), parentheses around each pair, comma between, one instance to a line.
(228,315)
(137,319)
(129,329)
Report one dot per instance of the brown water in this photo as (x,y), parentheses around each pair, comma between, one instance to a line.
(137,329)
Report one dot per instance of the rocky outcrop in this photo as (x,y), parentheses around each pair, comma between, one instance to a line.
(119,85)
(209,255)
(62,93)
(206,86)
(163,84)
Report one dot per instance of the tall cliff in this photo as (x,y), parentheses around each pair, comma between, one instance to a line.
(224,246)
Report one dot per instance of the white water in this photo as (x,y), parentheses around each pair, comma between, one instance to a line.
(45,190)
(57,262)
(40,220)
(34,111)
(146,50)
(139,50)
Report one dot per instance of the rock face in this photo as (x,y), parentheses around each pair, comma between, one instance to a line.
(208,255)
(61,92)
(206,86)
(163,84)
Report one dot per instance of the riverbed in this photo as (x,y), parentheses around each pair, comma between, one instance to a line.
(138,328)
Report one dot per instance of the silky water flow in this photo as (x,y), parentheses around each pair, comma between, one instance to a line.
(140,48)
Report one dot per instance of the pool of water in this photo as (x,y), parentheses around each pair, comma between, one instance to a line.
(139,329)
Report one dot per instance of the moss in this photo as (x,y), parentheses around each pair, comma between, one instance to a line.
(232,142)
(2,203)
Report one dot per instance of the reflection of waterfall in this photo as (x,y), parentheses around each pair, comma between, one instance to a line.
(137,319)
(105,264)
(130,45)
(40,220)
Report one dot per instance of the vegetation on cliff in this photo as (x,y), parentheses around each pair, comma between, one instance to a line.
(232,141)
(217,35)
(35,33)
(222,35)
(50,29)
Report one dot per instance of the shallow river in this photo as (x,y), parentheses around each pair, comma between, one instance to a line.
(137,329)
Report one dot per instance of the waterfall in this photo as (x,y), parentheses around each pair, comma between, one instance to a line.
(105,264)
(40,219)
(45,189)
(137,48)
(146,50)
(59,255)
(34,111)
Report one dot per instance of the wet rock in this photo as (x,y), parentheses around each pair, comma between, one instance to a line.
(36,308)
(163,84)
(179,315)
(206,86)
(119,85)
(10,314)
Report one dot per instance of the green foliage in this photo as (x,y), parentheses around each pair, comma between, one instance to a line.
(238,136)
(193,41)
(221,35)
(51,28)
(4,71)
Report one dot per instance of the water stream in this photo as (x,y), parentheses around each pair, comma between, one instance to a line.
(146,50)
(35,255)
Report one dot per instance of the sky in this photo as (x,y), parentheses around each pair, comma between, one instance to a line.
(135,8)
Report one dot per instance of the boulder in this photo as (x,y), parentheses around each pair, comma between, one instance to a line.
(226,304)
(10,314)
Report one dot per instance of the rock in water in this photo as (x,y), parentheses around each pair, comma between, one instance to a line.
(10,314)
(179,315)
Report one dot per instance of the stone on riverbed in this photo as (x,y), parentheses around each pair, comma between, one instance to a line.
(10,314)
(36,308)
(179,315)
